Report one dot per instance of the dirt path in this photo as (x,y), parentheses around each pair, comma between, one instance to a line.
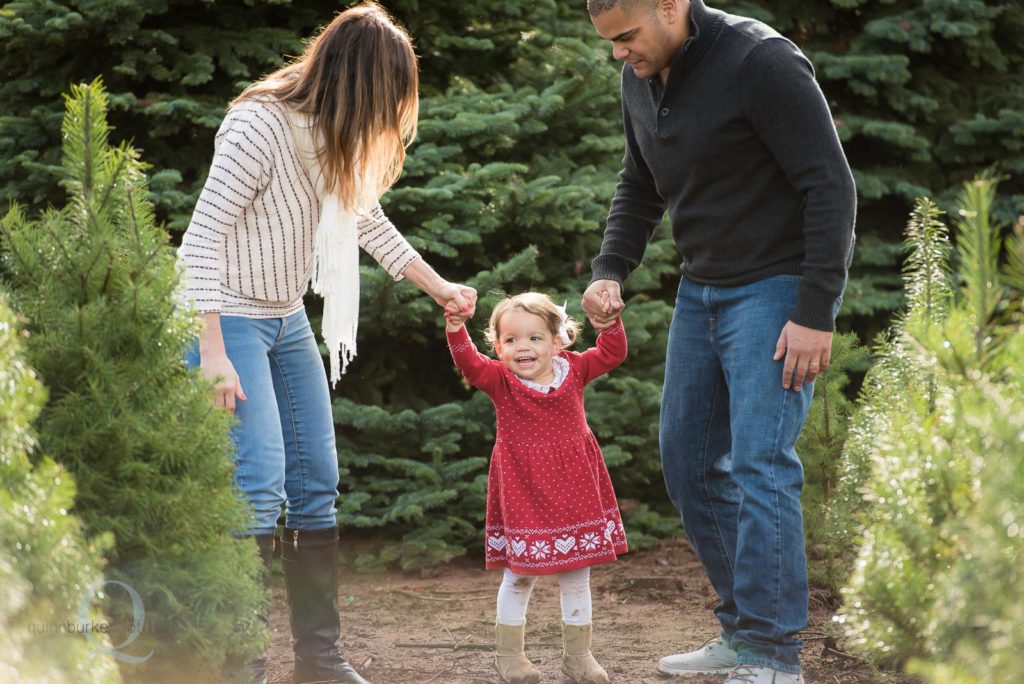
(401,629)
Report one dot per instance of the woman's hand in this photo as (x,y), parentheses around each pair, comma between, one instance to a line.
(451,296)
(218,369)
(454,315)
(215,365)
(457,299)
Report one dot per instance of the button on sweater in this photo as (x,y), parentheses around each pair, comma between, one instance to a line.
(741,150)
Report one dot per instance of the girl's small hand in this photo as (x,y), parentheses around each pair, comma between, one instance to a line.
(454,321)
(603,325)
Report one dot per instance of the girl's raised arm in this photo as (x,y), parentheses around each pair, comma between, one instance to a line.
(609,353)
(480,371)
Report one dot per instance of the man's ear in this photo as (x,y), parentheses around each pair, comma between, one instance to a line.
(670,11)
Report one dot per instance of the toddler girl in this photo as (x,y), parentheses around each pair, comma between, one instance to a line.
(550,504)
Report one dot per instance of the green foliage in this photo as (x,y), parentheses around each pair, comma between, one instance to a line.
(96,282)
(46,565)
(936,448)
(820,448)
(926,271)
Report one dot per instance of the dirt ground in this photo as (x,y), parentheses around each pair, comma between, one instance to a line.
(438,627)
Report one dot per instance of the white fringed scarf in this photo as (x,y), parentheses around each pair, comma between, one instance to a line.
(335,250)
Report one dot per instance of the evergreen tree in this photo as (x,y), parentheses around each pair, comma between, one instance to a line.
(820,448)
(96,283)
(936,448)
(170,68)
(925,92)
(46,565)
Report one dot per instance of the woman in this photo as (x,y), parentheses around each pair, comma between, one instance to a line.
(300,160)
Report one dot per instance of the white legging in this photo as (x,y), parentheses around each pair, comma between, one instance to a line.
(514,596)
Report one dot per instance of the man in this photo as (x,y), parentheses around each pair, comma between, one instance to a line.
(727,130)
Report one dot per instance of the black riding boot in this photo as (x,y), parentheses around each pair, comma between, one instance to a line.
(310,561)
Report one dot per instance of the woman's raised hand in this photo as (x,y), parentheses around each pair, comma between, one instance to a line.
(452,297)
(457,300)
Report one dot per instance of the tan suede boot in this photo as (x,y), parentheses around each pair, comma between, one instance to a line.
(509,656)
(578,662)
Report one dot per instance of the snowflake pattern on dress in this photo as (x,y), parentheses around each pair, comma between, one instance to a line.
(556,547)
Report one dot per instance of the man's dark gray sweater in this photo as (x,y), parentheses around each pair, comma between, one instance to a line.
(741,149)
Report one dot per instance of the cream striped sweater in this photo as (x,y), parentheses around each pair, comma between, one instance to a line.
(248,250)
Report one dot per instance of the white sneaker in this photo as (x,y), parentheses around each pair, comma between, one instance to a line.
(714,657)
(752,674)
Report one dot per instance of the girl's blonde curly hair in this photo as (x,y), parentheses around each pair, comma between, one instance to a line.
(534,303)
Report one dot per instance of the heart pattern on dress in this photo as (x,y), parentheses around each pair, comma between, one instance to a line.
(497,542)
(609,528)
(565,545)
(518,547)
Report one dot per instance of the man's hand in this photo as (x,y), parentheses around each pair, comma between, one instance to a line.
(602,302)
(807,351)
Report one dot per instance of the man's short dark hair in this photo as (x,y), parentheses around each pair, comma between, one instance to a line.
(598,7)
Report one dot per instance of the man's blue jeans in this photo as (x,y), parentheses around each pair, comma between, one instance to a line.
(728,431)
(284,440)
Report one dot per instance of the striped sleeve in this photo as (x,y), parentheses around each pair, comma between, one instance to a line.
(240,170)
(381,240)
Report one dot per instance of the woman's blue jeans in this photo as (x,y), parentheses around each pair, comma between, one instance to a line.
(728,432)
(284,440)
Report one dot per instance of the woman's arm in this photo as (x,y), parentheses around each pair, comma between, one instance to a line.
(379,238)
(453,297)
(239,171)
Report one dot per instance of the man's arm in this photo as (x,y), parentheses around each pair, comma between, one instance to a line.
(788,111)
(635,213)
(636,210)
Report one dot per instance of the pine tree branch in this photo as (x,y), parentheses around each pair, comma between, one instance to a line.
(26,271)
(114,177)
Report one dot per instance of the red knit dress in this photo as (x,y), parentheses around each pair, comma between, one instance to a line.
(550,502)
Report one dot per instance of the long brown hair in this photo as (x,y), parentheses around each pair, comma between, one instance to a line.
(358,81)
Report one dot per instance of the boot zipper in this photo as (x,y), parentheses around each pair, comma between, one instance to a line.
(295,539)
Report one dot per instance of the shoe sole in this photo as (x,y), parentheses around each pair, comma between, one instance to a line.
(674,671)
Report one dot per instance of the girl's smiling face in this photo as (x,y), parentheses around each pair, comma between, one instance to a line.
(526,345)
